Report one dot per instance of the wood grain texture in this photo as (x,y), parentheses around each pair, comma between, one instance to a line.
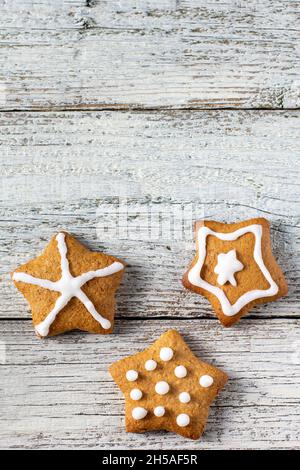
(58,393)
(149,53)
(72,171)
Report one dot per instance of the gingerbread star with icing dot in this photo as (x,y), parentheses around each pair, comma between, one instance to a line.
(234,267)
(167,387)
(70,287)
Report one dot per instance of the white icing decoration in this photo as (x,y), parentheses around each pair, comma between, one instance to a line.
(68,286)
(227,266)
(206,381)
(139,413)
(131,375)
(136,394)
(166,354)
(159,411)
(162,388)
(150,365)
(180,372)
(183,420)
(184,397)
(194,274)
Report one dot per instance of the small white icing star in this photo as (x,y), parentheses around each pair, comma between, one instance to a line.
(227,266)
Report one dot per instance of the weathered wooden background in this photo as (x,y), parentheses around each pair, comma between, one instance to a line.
(164,105)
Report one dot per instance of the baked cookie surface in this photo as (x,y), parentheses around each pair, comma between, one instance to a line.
(70,287)
(167,387)
(234,267)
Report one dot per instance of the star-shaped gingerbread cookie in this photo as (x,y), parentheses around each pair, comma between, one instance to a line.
(69,287)
(167,387)
(234,267)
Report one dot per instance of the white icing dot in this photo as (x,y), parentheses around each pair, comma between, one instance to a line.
(166,354)
(162,387)
(159,411)
(180,372)
(131,375)
(136,394)
(150,365)
(184,397)
(183,420)
(206,381)
(139,413)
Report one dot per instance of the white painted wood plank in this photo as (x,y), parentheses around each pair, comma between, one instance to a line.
(58,393)
(145,54)
(68,170)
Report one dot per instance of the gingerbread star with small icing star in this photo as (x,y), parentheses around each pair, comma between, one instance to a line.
(234,267)
(167,387)
(70,287)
